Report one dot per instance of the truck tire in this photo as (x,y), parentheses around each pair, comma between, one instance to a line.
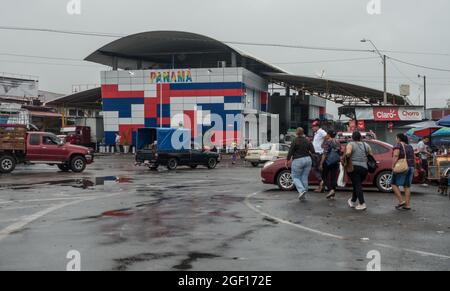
(78,164)
(212,163)
(7,164)
(172,164)
(64,168)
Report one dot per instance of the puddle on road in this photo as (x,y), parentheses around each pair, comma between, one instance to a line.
(186,264)
(80,183)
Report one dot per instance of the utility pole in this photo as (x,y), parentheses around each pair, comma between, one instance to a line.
(385,97)
(424,91)
(384,60)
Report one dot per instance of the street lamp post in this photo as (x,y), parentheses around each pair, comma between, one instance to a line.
(383,59)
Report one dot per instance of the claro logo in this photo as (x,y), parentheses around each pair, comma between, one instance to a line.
(391,114)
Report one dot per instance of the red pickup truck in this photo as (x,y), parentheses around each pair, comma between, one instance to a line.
(17,146)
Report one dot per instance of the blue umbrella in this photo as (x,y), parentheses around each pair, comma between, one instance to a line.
(445,121)
(442,132)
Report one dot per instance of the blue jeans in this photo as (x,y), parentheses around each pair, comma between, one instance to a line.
(403,179)
(300,173)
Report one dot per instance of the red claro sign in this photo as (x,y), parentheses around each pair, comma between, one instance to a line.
(396,114)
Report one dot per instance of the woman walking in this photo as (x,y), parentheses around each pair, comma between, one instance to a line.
(300,154)
(403,165)
(356,154)
(329,164)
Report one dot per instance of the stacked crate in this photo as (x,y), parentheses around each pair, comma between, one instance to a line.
(13,137)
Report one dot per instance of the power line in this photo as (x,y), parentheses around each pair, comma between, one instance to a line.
(116,35)
(51,64)
(419,66)
(324,61)
(40,57)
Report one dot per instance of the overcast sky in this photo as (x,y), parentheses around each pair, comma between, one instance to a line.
(403,25)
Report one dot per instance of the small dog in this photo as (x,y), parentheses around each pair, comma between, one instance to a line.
(444,183)
(443,186)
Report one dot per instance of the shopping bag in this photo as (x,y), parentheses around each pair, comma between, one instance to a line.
(341,178)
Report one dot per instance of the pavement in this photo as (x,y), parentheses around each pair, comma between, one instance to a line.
(122,217)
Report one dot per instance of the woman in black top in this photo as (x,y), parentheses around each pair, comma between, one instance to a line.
(300,154)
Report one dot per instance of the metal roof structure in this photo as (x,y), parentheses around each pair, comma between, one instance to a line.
(177,49)
(174,49)
(335,91)
(89,99)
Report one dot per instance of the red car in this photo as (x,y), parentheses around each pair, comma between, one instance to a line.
(276,173)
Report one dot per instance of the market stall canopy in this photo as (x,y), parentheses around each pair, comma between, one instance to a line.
(444,122)
(442,132)
(425,124)
(425,132)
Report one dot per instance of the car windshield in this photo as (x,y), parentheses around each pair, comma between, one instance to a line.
(265,147)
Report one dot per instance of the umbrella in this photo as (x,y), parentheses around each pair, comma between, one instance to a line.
(445,121)
(425,132)
(424,124)
(442,132)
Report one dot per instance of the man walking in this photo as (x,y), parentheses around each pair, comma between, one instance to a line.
(424,154)
(318,140)
(117,142)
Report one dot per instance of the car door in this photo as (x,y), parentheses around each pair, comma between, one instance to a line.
(34,147)
(52,149)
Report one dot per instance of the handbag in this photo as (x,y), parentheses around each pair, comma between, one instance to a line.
(402,164)
(333,156)
(372,164)
(341,178)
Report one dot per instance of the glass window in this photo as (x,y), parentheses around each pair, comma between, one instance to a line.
(378,149)
(265,147)
(34,139)
(51,140)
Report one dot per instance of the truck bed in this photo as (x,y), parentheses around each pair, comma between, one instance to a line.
(12,138)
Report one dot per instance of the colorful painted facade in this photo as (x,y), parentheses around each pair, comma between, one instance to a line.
(179,97)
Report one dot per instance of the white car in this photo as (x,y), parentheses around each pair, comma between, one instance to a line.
(266,152)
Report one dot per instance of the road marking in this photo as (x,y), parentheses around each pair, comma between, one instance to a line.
(326,234)
(44,200)
(29,219)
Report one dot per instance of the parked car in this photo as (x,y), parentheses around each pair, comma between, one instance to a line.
(17,146)
(276,173)
(155,148)
(266,152)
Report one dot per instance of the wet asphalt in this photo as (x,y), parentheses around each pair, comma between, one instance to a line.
(122,217)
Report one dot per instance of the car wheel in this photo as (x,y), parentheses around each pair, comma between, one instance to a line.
(212,163)
(255,164)
(383,182)
(64,168)
(172,164)
(284,181)
(193,166)
(78,164)
(7,164)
